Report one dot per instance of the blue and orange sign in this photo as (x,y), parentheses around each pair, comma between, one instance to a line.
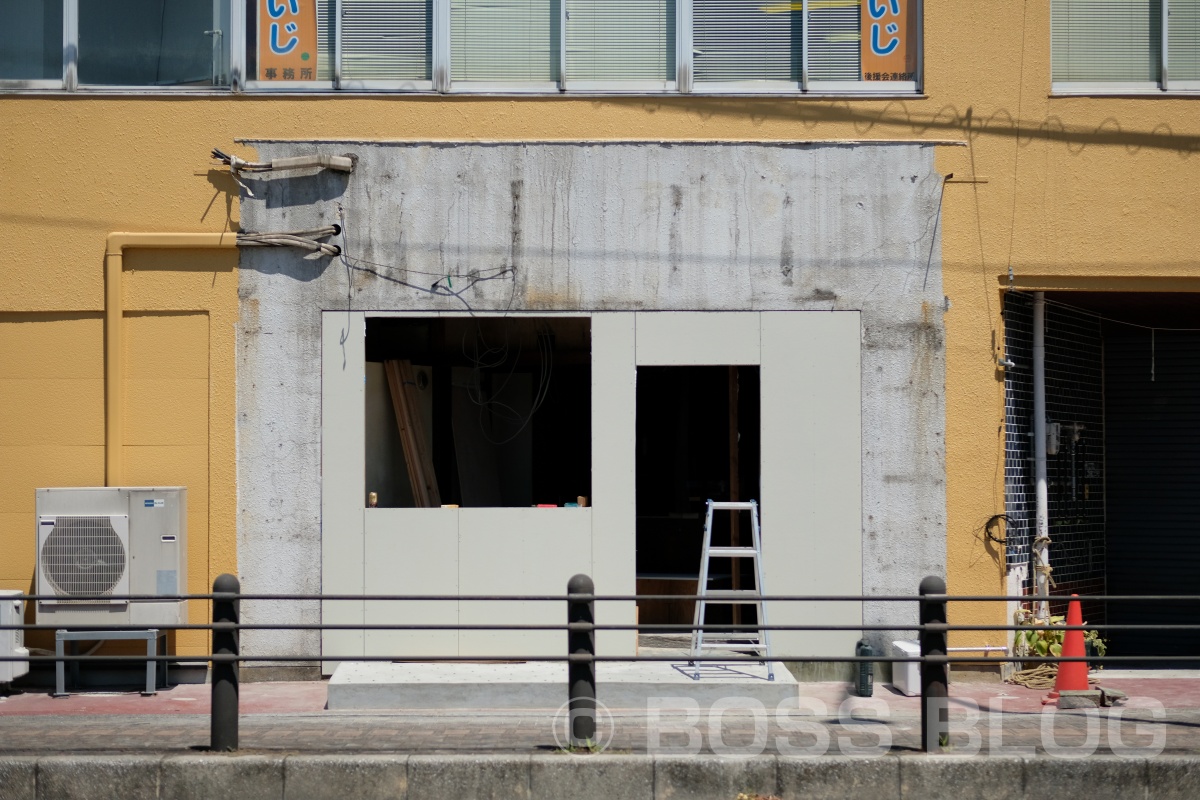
(287,40)
(889,48)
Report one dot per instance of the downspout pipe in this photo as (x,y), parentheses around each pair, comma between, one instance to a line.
(1040,552)
(114,343)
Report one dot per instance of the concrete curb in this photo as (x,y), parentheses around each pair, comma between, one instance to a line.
(592,777)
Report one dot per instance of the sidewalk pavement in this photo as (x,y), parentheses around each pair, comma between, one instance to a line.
(1161,716)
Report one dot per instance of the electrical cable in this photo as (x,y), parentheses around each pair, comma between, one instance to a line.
(473,278)
(991,522)
(305,240)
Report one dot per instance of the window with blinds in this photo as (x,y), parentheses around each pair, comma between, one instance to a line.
(740,40)
(835,41)
(620,40)
(326,30)
(387,40)
(1106,41)
(515,41)
(1183,40)
(620,45)
(787,46)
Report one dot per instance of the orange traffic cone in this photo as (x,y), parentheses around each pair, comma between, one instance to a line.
(1072,675)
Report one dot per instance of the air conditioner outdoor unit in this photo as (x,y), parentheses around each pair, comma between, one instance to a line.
(94,543)
(12,612)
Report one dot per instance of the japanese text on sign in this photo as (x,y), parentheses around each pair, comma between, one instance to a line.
(888,32)
(287,40)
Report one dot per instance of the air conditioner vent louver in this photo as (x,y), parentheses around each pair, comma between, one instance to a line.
(83,557)
(106,543)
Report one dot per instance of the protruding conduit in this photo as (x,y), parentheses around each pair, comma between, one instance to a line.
(305,240)
(342,163)
(1040,552)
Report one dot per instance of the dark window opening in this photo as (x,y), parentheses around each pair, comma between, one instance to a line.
(697,440)
(497,411)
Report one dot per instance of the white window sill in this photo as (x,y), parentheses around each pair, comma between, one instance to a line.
(1140,92)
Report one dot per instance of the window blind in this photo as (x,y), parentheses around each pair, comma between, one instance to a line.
(505,40)
(1183,40)
(746,40)
(386,39)
(834,40)
(1105,40)
(326,29)
(620,40)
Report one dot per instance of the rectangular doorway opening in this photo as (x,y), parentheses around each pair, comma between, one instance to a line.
(478,412)
(698,439)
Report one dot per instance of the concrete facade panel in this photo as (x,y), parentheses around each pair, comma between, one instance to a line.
(601,227)
(411,551)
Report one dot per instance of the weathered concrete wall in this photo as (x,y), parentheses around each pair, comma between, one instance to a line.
(597,226)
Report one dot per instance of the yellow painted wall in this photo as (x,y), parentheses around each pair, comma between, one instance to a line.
(1071,192)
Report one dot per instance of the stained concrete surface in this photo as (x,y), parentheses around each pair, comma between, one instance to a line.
(594,226)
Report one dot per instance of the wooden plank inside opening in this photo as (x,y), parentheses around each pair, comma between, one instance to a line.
(402,386)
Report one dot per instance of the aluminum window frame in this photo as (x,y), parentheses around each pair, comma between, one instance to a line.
(71,68)
(70,62)
(1164,86)
(441,82)
(69,37)
(684,83)
(257,86)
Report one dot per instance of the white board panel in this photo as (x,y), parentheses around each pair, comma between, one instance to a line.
(519,551)
(614,513)
(697,338)
(342,490)
(411,551)
(812,474)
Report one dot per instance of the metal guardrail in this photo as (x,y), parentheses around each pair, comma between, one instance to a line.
(581,657)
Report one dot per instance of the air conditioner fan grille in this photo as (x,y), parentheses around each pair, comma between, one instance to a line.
(83,556)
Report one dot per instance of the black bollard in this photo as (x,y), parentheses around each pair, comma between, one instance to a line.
(581,669)
(224,663)
(935,722)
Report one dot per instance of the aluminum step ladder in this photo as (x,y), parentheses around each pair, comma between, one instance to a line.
(754,638)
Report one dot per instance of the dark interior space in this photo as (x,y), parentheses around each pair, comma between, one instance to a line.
(697,440)
(1152,392)
(508,406)
(1123,413)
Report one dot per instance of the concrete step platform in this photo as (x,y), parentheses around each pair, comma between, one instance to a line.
(543,685)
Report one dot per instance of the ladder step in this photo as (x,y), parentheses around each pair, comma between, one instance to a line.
(732,552)
(722,596)
(748,638)
(754,647)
